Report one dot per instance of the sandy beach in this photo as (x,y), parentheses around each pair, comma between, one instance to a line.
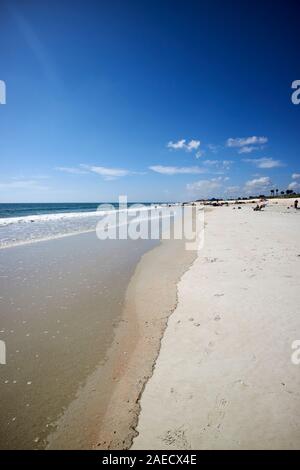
(224,378)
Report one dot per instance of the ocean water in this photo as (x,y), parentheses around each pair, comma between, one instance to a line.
(28,209)
(29,222)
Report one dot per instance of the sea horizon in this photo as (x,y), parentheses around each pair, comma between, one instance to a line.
(15,209)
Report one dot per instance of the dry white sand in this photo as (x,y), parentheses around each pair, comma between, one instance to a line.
(224,378)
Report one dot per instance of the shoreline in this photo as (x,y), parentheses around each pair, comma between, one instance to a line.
(111,410)
(151,318)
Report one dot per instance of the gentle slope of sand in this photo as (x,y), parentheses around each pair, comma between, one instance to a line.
(224,378)
(108,404)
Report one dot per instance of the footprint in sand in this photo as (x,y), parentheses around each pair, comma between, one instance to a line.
(209,349)
(216,416)
(177,438)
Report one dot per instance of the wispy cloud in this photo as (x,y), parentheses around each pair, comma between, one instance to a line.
(296,176)
(22,184)
(35,45)
(205,188)
(247,149)
(246,144)
(264,162)
(109,174)
(232,190)
(71,170)
(262,183)
(294,186)
(176,170)
(213,148)
(242,141)
(221,165)
(184,145)
(200,153)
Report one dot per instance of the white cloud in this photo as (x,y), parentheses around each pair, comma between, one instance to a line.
(175,170)
(232,190)
(184,145)
(213,148)
(193,145)
(246,141)
(221,165)
(262,183)
(200,153)
(246,144)
(74,171)
(205,188)
(295,186)
(179,145)
(247,149)
(295,176)
(108,174)
(264,162)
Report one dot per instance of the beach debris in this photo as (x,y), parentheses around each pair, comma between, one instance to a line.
(211,260)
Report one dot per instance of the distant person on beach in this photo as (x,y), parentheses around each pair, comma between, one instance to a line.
(296,204)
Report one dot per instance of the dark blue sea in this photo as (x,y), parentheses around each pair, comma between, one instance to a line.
(27,209)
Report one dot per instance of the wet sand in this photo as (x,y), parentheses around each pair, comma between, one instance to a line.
(60,302)
(108,404)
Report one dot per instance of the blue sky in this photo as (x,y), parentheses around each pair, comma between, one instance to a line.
(161,100)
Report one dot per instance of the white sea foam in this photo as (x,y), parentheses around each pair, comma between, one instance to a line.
(69,215)
(28,229)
